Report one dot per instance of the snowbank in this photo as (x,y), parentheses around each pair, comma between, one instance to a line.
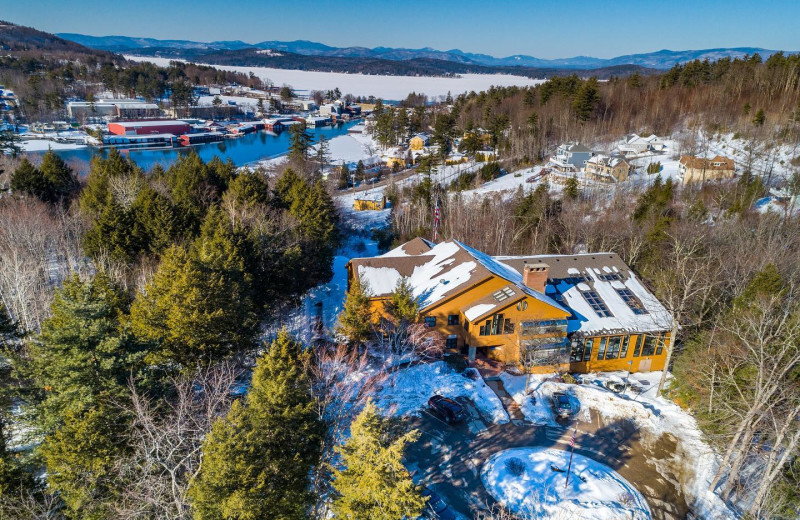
(407,391)
(525,481)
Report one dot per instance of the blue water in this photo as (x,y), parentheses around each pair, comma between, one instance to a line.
(243,150)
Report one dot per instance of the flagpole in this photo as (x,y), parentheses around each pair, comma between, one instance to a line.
(571,452)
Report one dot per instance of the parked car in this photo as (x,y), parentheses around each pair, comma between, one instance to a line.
(450,411)
(437,508)
(562,405)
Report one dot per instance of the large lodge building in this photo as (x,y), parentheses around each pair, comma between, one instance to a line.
(577,313)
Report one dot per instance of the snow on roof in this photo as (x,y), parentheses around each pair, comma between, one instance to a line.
(503,271)
(476,311)
(572,287)
(440,271)
(371,197)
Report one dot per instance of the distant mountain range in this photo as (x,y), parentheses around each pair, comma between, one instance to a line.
(662,59)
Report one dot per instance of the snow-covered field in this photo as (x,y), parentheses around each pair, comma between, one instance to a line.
(532,482)
(652,415)
(386,87)
(42,145)
(406,391)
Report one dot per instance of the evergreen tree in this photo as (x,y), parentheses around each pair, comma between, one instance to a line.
(198,307)
(357,317)
(403,305)
(60,179)
(344,177)
(83,353)
(323,153)
(571,190)
(257,460)
(759,118)
(80,458)
(586,99)
(374,484)
(318,228)
(300,142)
(29,179)
(290,189)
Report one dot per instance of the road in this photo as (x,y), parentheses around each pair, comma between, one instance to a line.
(449,458)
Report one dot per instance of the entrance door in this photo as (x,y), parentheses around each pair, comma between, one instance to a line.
(644,365)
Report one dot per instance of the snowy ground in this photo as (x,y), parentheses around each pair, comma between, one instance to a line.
(525,481)
(42,145)
(386,87)
(652,415)
(407,391)
(352,148)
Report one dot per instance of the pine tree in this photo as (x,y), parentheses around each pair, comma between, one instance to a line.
(83,353)
(257,460)
(29,179)
(60,179)
(374,484)
(759,118)
(586,99)
(300,142)
(357,318)
(198,307)
(403,305)
(80,458)
(571,188)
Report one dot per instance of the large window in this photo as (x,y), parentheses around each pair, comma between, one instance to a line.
(496,325)
(662,340)
(452,319)
(451,342)
(637,346)
(597,304)
(576,355)
(614,343)
(430,321)
(587,353)
(649,346)
(623,351)
(601,352)
(633,302)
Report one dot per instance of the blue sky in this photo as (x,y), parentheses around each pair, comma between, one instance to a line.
(542,28)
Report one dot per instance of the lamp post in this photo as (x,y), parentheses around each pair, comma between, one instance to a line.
(627,377)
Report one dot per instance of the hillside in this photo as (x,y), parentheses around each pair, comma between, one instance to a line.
(17,38)
(662,59)
(252,57)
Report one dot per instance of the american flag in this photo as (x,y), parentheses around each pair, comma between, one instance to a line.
(436,214)
(572,439)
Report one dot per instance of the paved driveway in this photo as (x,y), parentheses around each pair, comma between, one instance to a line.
(449,458)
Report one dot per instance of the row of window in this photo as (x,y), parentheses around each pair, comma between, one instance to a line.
(496,325)
(452,319)
(617,347)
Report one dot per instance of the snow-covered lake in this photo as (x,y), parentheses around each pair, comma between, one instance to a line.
(386,87)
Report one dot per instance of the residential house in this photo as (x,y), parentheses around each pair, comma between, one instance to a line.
(578,313)
(369,201)
(694,169)
(419,141)
(634,145)
(607,169)
(570,157)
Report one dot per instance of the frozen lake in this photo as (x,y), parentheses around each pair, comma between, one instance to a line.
(386,87)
